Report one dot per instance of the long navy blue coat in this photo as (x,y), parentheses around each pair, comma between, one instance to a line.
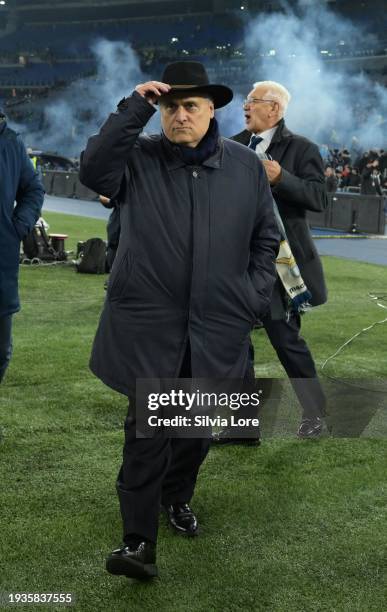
(18,181)
(195,258)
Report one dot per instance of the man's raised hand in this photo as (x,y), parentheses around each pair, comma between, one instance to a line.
(152,90)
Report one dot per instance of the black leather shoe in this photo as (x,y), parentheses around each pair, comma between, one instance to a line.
(133,562)
(226,436)
(182,519)
(310,428)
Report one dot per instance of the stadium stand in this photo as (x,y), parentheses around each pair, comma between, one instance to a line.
(42,74)
(61,36)
(47,44)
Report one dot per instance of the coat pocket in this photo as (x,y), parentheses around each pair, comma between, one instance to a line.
(15,231)
(252,298)
(120,276)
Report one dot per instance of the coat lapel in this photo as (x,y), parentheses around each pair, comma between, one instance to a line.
(242,137)
(280,142)
(278,145)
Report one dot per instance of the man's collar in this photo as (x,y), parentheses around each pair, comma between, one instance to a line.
(216,160)
(174,160)
(281,132)
(268,135)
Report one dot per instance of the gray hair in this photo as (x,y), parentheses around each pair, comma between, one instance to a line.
(277,92)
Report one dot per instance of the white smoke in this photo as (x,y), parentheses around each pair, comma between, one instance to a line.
(231,117)
(79,111)
(327,100)
(285,47)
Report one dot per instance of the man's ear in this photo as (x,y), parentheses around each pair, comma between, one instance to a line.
(275,109)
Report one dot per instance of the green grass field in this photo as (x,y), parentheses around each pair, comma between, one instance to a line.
(288,526)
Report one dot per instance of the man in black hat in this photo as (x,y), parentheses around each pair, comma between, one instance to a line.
(193,271)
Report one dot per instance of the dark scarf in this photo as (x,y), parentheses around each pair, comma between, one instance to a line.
(195,156)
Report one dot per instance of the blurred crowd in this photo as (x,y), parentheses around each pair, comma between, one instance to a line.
(355,171)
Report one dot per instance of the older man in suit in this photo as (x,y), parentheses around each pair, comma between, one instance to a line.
(296,174)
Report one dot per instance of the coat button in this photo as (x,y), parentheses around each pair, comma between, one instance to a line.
(195,174)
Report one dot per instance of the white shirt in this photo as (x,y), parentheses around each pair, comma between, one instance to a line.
(267,136)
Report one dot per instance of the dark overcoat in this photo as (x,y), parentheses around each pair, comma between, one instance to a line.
(196,254)
(301,188)
(18,181)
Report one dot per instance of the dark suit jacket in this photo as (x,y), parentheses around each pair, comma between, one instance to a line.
(370,185)
(301,188)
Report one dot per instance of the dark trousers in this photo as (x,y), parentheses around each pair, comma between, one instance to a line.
(5,343)
(156,471)
(297,361)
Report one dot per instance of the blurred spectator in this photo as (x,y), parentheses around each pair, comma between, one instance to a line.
(368,157)
(374,155)
(345,157)
(353,179)
(383,163)
(339,178)
(345,173)
(371,183)
(334,156)
(330,179)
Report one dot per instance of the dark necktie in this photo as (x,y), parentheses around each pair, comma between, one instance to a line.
(255,140)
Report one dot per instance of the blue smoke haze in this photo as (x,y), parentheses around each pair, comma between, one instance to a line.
(325,96)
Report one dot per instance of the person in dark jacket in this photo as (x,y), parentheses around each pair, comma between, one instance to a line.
(193,271)
(296,174)
(353,179)
(20,182)
(371,183)
(330,180)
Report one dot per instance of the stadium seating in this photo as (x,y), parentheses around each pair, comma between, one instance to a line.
(75,39)
(44,74)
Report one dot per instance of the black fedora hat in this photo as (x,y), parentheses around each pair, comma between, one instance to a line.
(191,77)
